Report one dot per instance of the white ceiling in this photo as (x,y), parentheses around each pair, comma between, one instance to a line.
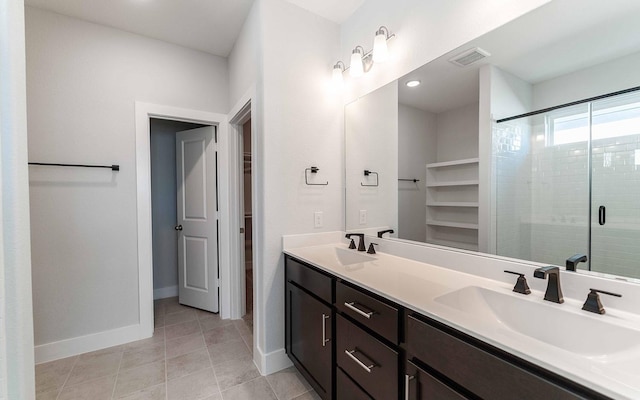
(546,43)
(211,26)
(335,10)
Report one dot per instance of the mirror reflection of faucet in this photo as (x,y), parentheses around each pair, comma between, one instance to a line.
(380,233)
(572,262)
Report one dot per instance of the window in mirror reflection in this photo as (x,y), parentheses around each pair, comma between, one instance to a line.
(613,120)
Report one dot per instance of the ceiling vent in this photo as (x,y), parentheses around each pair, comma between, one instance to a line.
(469,57)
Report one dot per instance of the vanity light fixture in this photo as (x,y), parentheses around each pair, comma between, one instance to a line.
(380,49)
(337,77)
(413,83)
(356,67)
(361,60)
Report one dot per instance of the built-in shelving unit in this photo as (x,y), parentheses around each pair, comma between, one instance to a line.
(452,203)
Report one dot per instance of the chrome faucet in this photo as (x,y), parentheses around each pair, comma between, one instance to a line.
(554,292)
(573,261)
(361,246)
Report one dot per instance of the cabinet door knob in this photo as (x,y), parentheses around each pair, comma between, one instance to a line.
(178,227)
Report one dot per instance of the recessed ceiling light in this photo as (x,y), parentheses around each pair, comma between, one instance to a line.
(413,83)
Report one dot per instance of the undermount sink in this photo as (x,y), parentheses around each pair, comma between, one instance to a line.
(349,257)
(573,332)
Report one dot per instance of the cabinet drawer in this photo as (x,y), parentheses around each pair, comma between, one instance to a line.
(346,389)
(308,278)
(369,362)
(482,373)
(421,385)
(369,311)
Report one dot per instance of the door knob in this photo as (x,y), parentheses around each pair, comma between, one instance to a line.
(178,227)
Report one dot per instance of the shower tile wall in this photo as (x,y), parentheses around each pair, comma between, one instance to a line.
(559,193)
(512,164)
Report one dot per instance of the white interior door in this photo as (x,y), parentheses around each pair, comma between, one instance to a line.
(197,223)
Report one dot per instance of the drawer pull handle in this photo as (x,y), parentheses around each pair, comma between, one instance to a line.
(360,363)
(325,317)
(407,380)
(359,311)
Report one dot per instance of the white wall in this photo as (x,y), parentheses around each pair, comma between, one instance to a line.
(371,130)
(16,323)
(245,59)
(83,80)
(612,76)
(416,148)
(301,127)
(457,133)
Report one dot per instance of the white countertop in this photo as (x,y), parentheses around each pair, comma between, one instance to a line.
(417,285)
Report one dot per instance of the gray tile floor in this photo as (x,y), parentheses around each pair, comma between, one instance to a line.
(193,355)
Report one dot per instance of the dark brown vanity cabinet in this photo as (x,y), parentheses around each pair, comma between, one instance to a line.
(351,344)
(309,325)
(475,370)
(421,385)
(370,363)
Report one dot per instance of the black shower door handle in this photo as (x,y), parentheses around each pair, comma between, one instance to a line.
(602,215)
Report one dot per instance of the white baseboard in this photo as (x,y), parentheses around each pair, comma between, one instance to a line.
(163,293)
(83,344)
(271,362)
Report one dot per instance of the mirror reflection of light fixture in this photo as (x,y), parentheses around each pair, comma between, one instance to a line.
(356,67)
(380,49)
(336,77)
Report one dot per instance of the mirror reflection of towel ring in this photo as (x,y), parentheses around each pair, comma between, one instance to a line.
(367,173)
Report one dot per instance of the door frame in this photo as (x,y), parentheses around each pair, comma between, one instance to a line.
(143,113)
(238,278)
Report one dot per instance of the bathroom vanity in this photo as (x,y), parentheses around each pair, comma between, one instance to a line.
(362,326)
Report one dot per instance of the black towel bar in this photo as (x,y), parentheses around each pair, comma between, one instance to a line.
(112,167)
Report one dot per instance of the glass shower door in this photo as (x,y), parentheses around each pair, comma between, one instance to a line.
(542,185)
(615,186)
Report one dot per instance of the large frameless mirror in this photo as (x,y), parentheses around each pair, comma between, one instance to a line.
(457,164)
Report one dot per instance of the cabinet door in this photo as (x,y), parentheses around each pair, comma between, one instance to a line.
(346,389)
(309,332)
(370,363)
(420,385)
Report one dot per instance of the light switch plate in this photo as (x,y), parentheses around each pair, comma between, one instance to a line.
(317,219)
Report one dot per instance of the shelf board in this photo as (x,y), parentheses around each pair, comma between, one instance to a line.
(453,243)
(454,183)
(453,204)
(453,163)
(451,224)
